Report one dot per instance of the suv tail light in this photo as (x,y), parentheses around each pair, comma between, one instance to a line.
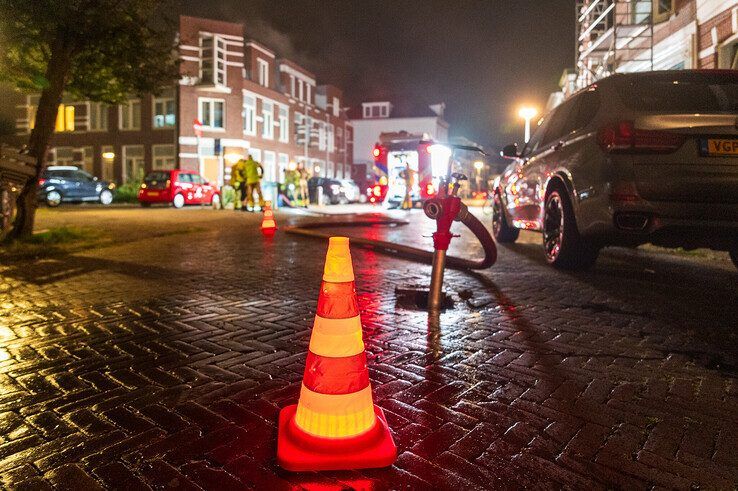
(624,137)
(41,182)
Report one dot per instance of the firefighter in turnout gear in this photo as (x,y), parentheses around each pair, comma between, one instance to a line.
(253,172)
(238,181)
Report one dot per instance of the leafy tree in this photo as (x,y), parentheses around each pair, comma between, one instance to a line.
(100,50)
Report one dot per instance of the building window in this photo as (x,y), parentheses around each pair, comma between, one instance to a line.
(163,157)
(83,158)
(129,115)
(292,85)
(336,107)
(64,118)
(301,89)
(284,162)
(662,10)
(308,97)
(212,60)
(331,138)
(322,140)
(299,128)
(133,163)
(267,112)
(249,114)
(64,156)
(164,116)
(263,66)
(211,113)
(98,117)
(108,163)
(284,124)
(270,166)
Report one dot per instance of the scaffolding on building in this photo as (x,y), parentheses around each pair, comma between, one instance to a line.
(613,36)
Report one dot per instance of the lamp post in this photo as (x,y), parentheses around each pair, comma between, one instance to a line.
(527,113)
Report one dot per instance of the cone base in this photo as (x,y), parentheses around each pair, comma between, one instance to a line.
(268,232)
(298,451)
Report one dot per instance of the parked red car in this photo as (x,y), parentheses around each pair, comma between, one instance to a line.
(179,187)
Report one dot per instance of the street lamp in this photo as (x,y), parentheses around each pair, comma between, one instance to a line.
(479,165)
(527,113)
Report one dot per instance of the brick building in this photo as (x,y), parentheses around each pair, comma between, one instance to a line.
(641,35)
(245,98)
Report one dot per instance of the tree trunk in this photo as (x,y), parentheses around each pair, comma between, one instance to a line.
(38,143)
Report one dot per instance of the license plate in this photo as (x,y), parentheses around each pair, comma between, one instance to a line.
(720,147)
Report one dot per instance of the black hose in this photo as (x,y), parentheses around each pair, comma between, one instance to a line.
(413,253)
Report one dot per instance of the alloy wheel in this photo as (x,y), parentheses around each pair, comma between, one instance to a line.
(553,227)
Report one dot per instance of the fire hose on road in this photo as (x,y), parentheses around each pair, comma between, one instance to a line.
(407,252)
(445,208)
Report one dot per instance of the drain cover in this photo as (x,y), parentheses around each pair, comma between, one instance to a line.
(416,298)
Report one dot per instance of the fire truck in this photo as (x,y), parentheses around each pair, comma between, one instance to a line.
(395,155)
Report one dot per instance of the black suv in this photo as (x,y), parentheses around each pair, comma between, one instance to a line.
(68,183)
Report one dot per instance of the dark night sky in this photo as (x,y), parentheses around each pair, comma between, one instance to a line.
(482,57)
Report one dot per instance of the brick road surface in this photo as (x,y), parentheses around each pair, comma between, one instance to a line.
(161,359)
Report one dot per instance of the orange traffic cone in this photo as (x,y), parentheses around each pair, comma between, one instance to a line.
(268,225)
(335,424)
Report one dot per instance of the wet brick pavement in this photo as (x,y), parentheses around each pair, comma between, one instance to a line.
(161,361)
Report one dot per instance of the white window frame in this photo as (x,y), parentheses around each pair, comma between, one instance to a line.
(322,136)
(249,115)
(271,170)
(211,109)
(263,71)
(101,112)
(336,107)
(154,113)
(128,107)
(284,123)
(219,54)
(292,85)
(107,166)
(267,125)
(283,162)
(331,138)
(160,162)
(141,161)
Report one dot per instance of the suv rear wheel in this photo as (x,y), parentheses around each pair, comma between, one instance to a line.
(562,244)
(500,229)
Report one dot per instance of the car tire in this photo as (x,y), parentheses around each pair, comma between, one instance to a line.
(178,201)
(734,257)
(145,204)
(502,232)
(215,202)
(564,248)
(106,197)
(53,199)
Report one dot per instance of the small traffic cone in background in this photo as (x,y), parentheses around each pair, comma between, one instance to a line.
(335,424)
(268,225)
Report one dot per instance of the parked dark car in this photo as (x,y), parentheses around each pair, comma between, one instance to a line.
(634,158)
(63,184)
(334,191)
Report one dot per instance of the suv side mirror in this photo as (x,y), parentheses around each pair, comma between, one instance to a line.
(510,151)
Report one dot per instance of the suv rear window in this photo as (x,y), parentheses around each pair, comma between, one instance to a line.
(681,93)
